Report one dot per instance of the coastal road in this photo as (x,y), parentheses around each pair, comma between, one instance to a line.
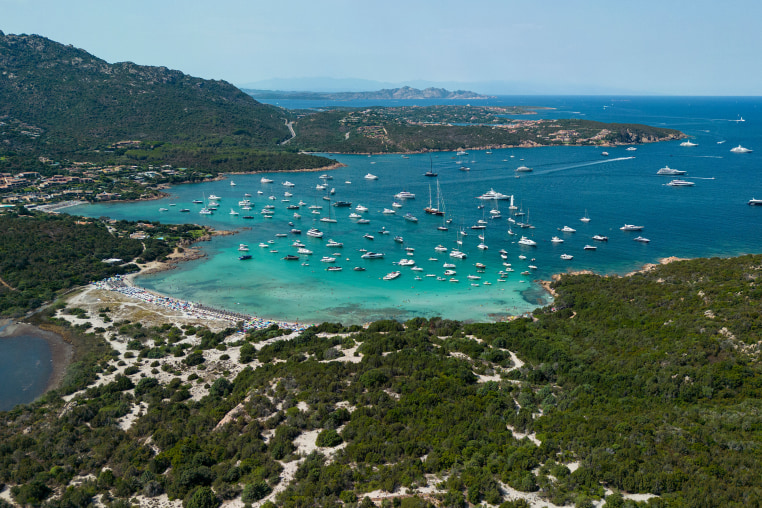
(290,126)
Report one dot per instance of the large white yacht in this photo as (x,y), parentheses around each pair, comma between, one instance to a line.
(666,170)
(493,194)
(740,149)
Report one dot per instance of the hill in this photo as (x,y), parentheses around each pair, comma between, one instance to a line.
(402,93)
(60,101)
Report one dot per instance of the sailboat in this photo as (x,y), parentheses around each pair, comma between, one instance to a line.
(329,218)
(585,218)
(430,172)
(434,210)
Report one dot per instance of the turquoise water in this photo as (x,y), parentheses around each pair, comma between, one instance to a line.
(709,219)
(25,368)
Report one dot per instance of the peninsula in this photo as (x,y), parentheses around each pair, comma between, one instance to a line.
(402,93)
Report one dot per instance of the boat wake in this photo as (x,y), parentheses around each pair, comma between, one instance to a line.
(580,165)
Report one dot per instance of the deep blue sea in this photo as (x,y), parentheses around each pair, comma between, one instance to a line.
(711,218)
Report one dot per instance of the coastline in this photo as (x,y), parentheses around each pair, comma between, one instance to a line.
(61,352)
(547,284)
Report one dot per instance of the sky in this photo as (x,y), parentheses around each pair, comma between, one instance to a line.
(665,47)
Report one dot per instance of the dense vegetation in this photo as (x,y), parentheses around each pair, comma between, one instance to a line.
(650,383)
(42,255)
(62,102)
(410,129)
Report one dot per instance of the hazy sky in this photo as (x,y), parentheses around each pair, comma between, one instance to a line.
(678,47)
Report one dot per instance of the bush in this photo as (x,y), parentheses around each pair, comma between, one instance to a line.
(202,497)
(255,491)
(328,438)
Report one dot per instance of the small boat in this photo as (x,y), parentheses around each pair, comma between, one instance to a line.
(641,239)
(184,210)
(245,256)
(473,277)
(232,183)
(585,218)
(373,255)
(328,259)
(363,221)
(291,257)
(631,227)
(449,273)
(555,239)
(455,253)
(755,202)
(265,180)
(205,211)
(429,173)
(392,275)
(334,268)
(342,204)
(589,247)
(440,248)
(388,211)
(358,269)
(688,143)
(396,205)
(410,217)
(480,266)
(325,177)
(681,183)
(567,229)
(163,209)
(197,201)
(361,208)
(523,169)
(233,212)
(600,238)
(630,148)
(398,239)
(246,195)
(304,251)
(212,197)
(370,176)
(243,247)
(740,149)
(605,154)
(315,233)
(368,236)
(404,195)
(332,243)
(567,256)
(172,204)
(406,262)
(247,217)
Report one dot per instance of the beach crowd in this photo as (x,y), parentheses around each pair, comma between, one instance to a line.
(191,309)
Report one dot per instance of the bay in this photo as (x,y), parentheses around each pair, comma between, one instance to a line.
(25,369)
(709,219)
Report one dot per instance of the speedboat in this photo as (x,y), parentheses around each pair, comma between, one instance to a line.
(163,209)
(265,180)
(315,233)
(567,256)
(630,148)
(631,227)
(410,217)
(493,194)
(361,208)
(666,170)
(455,253)
(396,205)
(406,262)
(523,169)
(288,184)
(688,143)
(233,212)
(555,239)
(740,149)
(567,229)
(333,243)
(600,238)
(304,251)
(440,248)
(681,183)
(373,255)
(404,195)
(368,236)
(212,197)
(641,239)
(755,202)
(334,268)
(243,247)
(392,275)
(370,176)
(590,247)
(527,241)
(388,211)
(328,259)
(245,256)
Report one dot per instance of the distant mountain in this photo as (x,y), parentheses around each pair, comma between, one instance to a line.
(74,97)
(403,93)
